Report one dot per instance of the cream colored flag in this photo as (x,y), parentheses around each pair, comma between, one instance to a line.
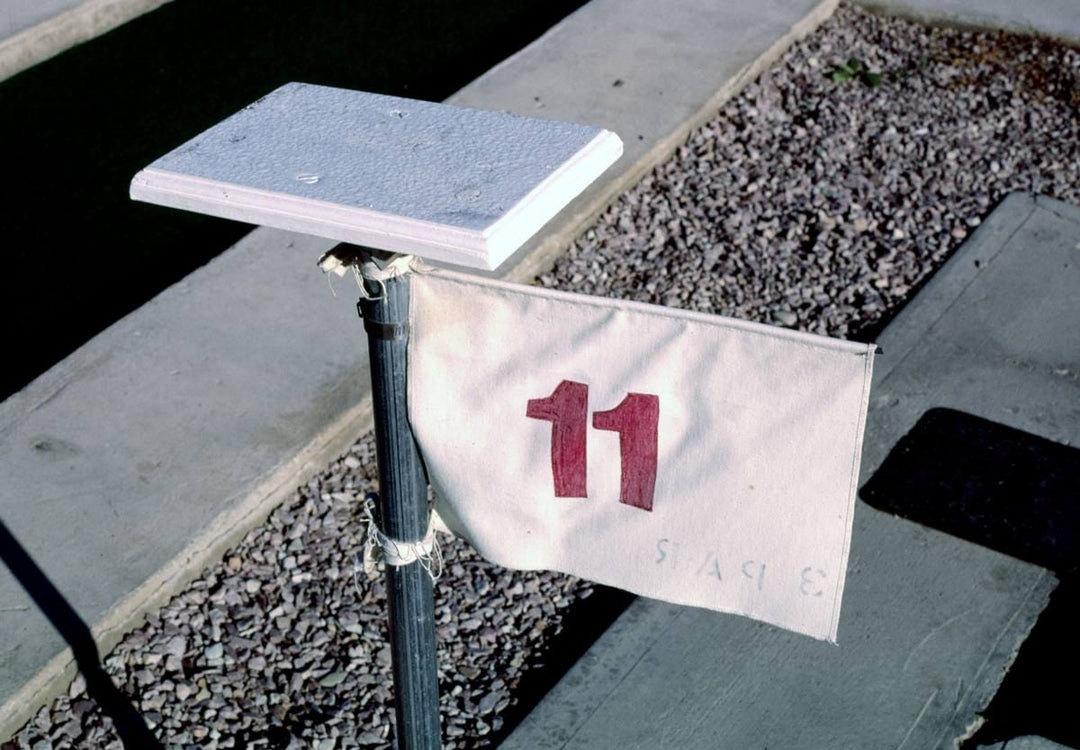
(686,457)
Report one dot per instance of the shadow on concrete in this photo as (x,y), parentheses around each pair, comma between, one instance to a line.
(129,724)
(78,253)
(1019,494)
(583,623)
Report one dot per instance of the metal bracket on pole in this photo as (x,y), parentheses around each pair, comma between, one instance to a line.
(403,512)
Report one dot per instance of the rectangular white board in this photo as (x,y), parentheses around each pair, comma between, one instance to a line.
(447,183)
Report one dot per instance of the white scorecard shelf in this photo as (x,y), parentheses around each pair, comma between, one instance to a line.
(446,183)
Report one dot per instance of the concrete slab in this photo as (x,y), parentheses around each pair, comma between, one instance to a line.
(138,460)
(1056,19)
(21,15)
(930,623)
(32,31)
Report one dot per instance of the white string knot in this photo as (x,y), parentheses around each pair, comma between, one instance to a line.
(399,265)
(339,262)
(395,552)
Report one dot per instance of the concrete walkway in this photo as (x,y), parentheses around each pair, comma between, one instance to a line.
(930,623)
(32,31)
(139,459)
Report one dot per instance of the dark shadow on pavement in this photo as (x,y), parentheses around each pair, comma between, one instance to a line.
(78,253)
(1019,494)
(583,623)
(129,724)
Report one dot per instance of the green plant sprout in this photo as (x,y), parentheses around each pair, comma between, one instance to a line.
(857,70)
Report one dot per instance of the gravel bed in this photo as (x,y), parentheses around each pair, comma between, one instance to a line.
(284,644)
(820,205)
(808,202)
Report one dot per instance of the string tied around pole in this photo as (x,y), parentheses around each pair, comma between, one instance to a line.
(378,547)
(369,274)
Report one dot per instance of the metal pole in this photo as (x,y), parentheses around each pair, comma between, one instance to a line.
(403,515)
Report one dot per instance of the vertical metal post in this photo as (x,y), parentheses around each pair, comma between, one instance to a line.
(403,515)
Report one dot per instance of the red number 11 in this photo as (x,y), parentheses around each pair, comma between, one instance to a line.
(635,419)
(566,409)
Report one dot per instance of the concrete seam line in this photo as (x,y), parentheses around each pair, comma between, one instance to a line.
(206,549)
(65,30)
(1060,209)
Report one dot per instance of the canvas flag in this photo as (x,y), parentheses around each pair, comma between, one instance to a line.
(686,457)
